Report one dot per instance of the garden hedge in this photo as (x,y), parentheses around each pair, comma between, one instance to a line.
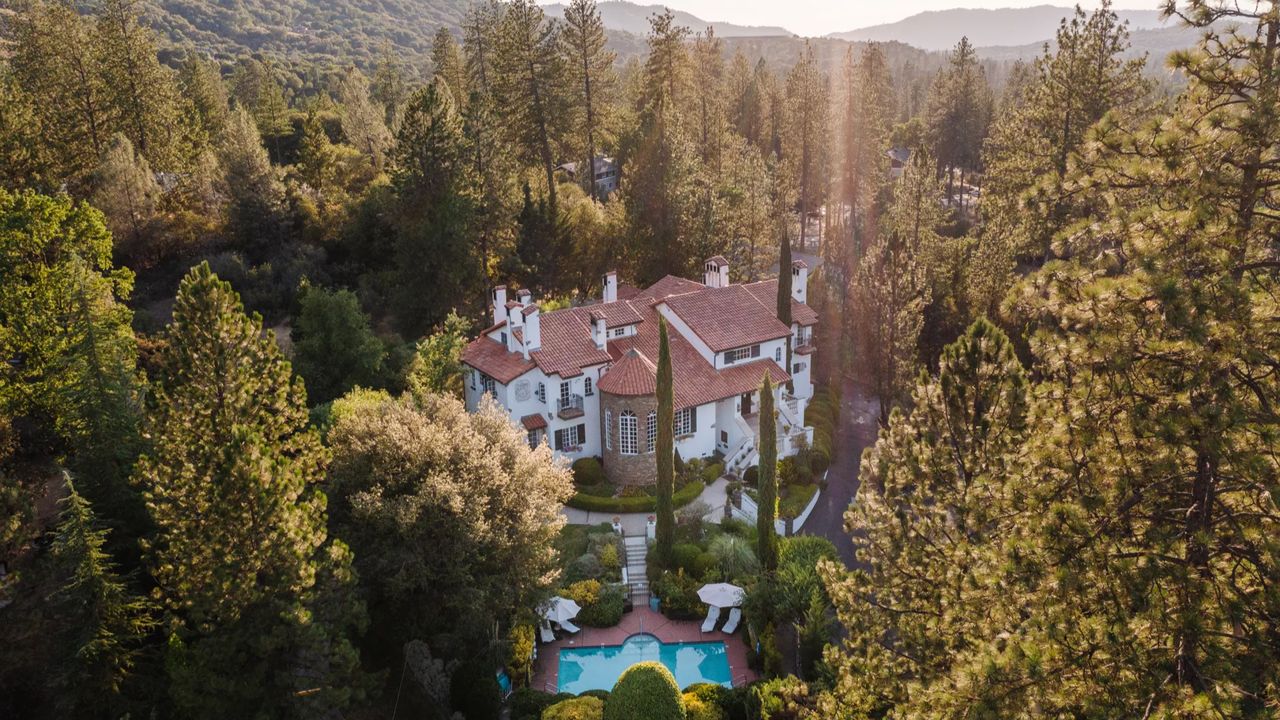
(643,503)
(645,691)
(580,708)
(587,471)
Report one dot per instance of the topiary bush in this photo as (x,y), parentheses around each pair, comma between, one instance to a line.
(602,694)
(712,473)
(579,708)
(528,704)
(645,691)
(751,477)
(605,610)
(698,709)
(587,471)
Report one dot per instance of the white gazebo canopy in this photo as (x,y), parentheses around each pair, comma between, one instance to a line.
(722,595)
(560,609)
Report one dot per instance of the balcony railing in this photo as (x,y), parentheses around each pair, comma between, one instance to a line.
(570,407)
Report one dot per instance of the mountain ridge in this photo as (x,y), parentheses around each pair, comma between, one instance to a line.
(626,16)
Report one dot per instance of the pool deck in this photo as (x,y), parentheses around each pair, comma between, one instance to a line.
(546,669)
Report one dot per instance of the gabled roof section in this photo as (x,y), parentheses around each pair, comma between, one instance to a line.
(668,286)
(567,346)
(616,314)
(491,358)
(633,375)
(766,292)
(728,317)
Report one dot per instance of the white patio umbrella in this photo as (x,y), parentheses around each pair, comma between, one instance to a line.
(721,595)
(560,609)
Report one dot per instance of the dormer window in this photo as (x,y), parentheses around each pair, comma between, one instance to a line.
(740,354)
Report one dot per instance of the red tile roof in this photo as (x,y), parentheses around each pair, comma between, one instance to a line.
(567,346)
(533,422)
(633,375)
(728,317)
(667,286)
(616,314)
(766,291)
(491,358)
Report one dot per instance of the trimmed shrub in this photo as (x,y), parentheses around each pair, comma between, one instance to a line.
(602,694)
(641,503)
(645,691)
(686,494)
(605,610)
(520,659)
(685,555)
(586,567)
(712,473)
(579,708)
(698,709)
(584,593)
(751,476)
(609,558)
(704,565)
(587,471)
(741,528)
(819,460)
(528,704)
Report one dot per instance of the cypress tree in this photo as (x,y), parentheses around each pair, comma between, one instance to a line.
(257,602)
(784,290)
(665,531)
(768,478)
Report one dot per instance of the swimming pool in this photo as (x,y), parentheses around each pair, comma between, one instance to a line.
(598,668)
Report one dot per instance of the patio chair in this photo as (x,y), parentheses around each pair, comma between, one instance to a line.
(544,631)
(713,617)
(569,627)
(735,617)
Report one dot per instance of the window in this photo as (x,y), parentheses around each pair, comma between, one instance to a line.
(533,438)
(487,384)
(797,368)
(619,332)
(586,387)
(743,353)
(474,374)
(571,439)
(777,354)
(565,391)
(608,429)
(627,433)
(504,339)
(724,437)
(686,421)
(542,393)
(651,430)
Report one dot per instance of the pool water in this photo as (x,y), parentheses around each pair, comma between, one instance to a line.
(598,668)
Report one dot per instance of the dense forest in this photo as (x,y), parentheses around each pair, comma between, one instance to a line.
(236,479)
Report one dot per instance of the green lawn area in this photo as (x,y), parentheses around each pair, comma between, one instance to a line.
(794,500)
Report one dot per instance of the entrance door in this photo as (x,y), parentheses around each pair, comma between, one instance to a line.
(746,404)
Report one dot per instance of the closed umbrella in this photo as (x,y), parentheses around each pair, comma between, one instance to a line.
(721,595)
(560,609)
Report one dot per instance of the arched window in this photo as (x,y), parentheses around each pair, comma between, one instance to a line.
(608,429)
(627,433)
(651,430)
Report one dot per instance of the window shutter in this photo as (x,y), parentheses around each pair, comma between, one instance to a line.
(693,419)
(582,434)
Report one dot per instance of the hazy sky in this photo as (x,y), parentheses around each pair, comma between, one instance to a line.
(820,17)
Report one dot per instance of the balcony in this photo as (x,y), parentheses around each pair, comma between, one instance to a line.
(569,407)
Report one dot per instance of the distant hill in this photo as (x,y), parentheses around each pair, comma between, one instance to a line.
(1007,27)
(634,18)
(1155,44)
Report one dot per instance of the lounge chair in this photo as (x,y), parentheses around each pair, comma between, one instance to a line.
(569,627)
(713,617)
(544,631)
(735,617)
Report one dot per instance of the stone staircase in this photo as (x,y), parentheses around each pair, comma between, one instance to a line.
(637,578)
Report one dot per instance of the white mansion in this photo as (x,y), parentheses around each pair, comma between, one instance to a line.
(584,378)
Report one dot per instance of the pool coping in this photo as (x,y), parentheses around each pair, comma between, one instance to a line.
(641,621)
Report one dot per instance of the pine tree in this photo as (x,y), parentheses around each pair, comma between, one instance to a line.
(448,65)
(363,122)
(127,193)
(867,118)
(334,348)
(666,74)
(767,500)
(958,115)
(940,509)
(531,78)
(891,289)
(434,252)
(200,82)
(666,515)
(257,203)
(591,66)
(258,602)
(389,88)
(317,156)
(709,112)
(106,625)
(804,136)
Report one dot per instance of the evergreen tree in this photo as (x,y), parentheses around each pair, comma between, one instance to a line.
(958,115)
(105,624)
(708,75)
(317,156)
(127,193)
(363,122)
(437,362)
(591,67)
(434,258)
(389,88)
(200,82)
(255,214)
(804,136)
(334,348)
(767,500)
(891,289)
(666,454)
(940,508)
(531,79)
(868,111)
(448,65)
(259,604)
(666,74)
(142,93)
